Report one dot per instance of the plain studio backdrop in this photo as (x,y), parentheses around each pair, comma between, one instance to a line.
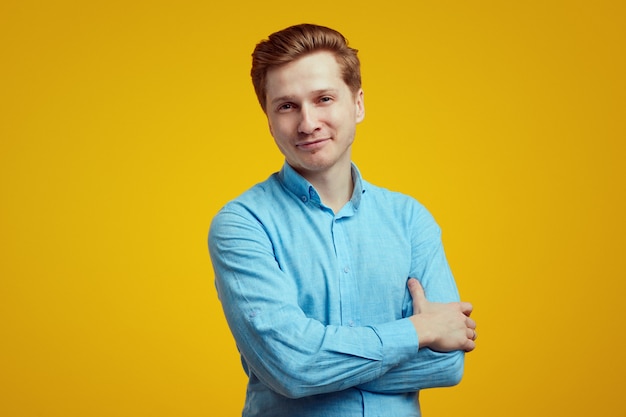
(125,126)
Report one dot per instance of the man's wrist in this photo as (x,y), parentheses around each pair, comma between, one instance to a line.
(424,336)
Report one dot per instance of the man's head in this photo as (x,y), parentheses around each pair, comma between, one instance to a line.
(294,42)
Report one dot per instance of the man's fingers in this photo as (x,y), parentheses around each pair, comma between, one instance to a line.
(469,346)
(417,293)
(415,288)
(466,308)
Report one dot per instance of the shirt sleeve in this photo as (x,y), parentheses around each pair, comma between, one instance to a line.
(428,369)
(292,354)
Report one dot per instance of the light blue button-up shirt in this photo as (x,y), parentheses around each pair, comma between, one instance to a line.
(318,303)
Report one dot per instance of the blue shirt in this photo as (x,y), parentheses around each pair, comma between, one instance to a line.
(318,303)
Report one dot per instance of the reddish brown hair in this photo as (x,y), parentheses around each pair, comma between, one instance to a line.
(296,41)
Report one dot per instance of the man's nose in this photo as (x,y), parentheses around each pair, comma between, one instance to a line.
(309,121)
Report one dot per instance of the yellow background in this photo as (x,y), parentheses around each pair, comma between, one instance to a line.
(125,125)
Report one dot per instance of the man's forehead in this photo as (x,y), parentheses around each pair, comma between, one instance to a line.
(307,75)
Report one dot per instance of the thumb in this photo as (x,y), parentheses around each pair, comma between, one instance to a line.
(417,294)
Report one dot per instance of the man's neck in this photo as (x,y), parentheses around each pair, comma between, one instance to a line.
(334,186)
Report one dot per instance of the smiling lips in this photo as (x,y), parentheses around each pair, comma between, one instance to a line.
(312,145)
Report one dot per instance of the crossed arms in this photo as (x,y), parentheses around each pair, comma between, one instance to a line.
(297,355)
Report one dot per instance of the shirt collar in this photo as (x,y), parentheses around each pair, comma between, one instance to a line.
(305,191)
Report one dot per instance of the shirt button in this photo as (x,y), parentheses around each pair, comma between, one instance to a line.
(351,324)
(346,269)
(303,198)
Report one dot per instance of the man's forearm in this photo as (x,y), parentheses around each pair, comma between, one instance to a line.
(429,369)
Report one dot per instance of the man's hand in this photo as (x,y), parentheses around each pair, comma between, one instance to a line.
(442,327)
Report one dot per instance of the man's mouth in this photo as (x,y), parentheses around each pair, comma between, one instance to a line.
(312,144)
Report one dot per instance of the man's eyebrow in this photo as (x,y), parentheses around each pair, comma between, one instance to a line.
(282,98)
(324,91)
(316,93)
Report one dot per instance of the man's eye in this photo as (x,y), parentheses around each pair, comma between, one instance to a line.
(325,99)
(286,106)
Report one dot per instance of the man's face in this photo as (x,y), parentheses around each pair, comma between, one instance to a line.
(312,113)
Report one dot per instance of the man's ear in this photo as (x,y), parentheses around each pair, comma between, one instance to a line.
(360,106)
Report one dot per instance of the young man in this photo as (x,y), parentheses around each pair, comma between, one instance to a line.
(313,266)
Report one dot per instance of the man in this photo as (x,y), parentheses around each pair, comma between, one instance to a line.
(313,266)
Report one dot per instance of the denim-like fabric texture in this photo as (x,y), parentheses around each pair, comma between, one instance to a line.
(318,304)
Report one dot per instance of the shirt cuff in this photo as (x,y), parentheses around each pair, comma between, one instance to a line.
(399,341)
